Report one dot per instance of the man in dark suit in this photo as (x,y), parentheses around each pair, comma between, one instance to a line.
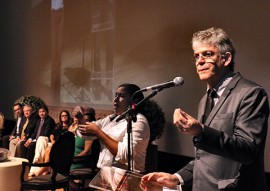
(230,139)
(15,134)
(27,125)
(43,127)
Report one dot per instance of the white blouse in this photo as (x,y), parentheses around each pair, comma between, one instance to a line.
(118,132)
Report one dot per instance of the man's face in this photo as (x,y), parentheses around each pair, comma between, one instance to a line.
(210,64)
(27,111)
(17,110)
(42,113)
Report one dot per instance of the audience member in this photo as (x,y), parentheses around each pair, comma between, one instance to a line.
(2,121)
(44,145)
(65,120)
(43,127)
(230,139)
(15,134)
(82,146)
(89,114)
(27,126)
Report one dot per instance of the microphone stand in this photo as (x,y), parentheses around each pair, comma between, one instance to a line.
(130,115)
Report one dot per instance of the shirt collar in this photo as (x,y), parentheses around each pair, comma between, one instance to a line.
(220,87)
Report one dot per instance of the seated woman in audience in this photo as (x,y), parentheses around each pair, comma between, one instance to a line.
(89,114)
(82,146)
(112,131)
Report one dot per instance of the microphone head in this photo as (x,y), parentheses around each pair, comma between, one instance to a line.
(178,81)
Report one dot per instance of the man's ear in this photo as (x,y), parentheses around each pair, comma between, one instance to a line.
(228,58)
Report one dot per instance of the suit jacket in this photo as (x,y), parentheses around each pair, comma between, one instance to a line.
(46,129)
(230,153)
(30,126)
(14,131)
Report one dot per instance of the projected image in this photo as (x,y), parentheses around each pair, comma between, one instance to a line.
(84,49)
(81,66)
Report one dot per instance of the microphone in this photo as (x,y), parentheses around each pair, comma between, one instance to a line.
(178,81)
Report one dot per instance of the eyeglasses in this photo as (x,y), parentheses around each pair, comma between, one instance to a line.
(64,115)
(17,109)
(206,55)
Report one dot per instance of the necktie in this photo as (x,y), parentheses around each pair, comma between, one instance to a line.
(209,103)
(23,129)
(39,128)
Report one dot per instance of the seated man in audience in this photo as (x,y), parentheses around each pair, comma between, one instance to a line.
(27,124)
(15,134)
(43,127)
(44,145)
(2,120)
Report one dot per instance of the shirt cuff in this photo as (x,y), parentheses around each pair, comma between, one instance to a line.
(179,178)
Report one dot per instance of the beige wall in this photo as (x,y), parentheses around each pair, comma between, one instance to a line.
(106,43)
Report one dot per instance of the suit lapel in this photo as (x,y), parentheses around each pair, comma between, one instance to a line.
(201,108)
(222,98)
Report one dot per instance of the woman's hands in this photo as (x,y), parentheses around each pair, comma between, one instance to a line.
(89,129)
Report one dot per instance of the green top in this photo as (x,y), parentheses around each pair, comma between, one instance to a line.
(79,147)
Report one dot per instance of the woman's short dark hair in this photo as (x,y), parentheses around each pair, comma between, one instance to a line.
(131,89)
(150,109)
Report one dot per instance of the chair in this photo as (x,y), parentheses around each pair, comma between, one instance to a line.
(90,169)
(61,157)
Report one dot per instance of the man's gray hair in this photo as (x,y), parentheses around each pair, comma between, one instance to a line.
(215,37)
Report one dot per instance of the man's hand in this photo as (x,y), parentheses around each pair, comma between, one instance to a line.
(161,179)
(11,137)
(27,143)
(186,123)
